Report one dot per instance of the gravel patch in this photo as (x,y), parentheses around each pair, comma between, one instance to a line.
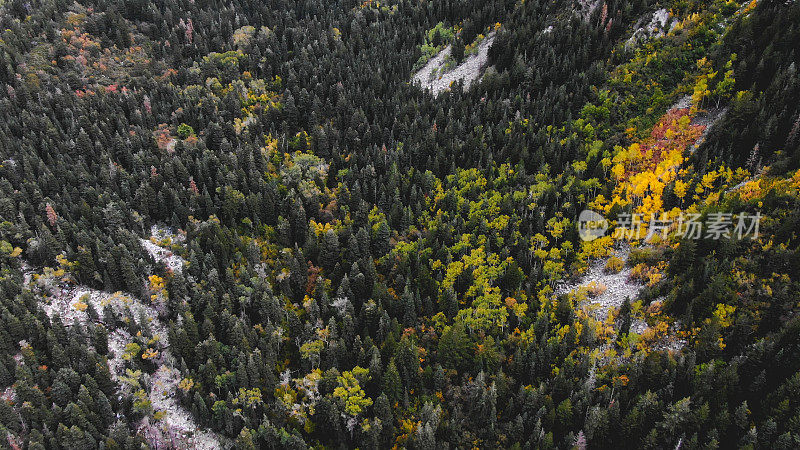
(659,25)
(707,119)
(618,285)
(638,326)
(158,234)
(177,425)
(585,8)
(670,342)
(177,428)
(469,70)
(683,103)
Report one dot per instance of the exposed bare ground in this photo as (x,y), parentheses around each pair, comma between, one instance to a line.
(177,428)
(161,254)
(618,285)
(469,70)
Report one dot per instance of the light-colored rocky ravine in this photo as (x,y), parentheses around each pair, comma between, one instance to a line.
(70,301)
(618,286)
(611,289)
(431,76)
(158,243)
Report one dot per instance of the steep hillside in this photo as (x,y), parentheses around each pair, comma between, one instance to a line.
(363,224)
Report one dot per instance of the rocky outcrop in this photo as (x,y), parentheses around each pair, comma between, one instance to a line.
(431,77)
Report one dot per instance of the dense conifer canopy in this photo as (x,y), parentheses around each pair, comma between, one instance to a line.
(241,224)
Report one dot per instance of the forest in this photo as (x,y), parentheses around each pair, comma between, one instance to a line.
(248,225)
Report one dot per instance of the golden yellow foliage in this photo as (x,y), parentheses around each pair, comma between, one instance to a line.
(80,306)
(149,354)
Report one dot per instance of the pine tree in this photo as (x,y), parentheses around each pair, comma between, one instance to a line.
(391,385)
(457,50)
(381,243)
(329,250)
